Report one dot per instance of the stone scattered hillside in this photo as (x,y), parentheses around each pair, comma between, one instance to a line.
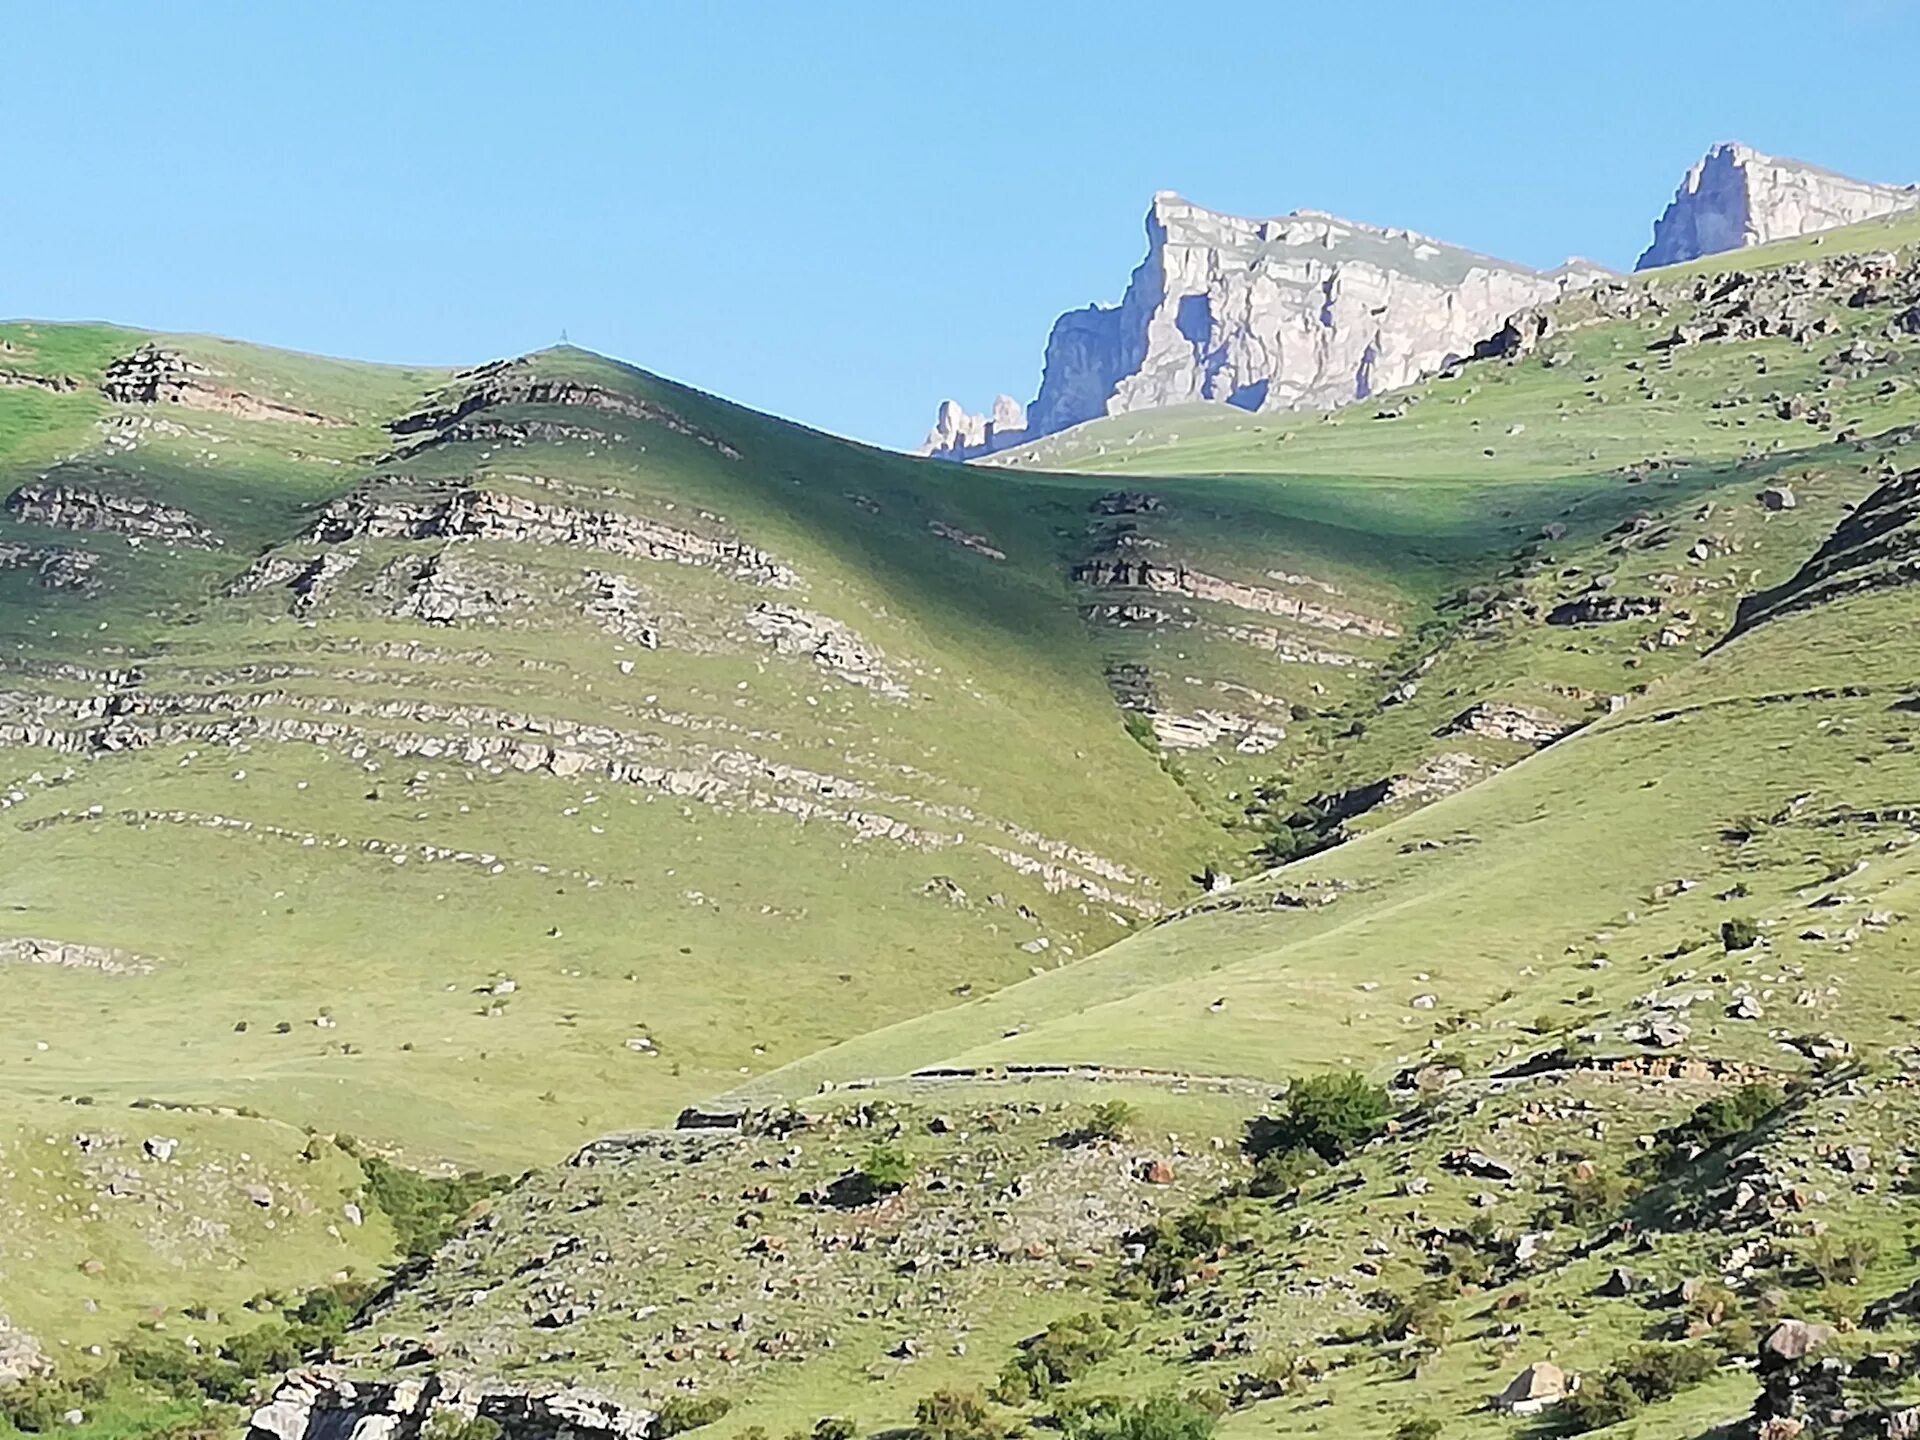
(543,900)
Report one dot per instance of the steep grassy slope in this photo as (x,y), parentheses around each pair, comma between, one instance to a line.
(480,763)
(1563,923)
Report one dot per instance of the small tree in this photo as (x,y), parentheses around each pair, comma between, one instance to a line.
(1332,1115)
(1066,1350)
(1599,1402)
(1739,933)
(1596,1194)
(1280,1173)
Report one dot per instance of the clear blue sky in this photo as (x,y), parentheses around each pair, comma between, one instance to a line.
(844,210)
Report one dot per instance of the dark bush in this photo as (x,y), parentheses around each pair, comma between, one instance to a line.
(682,1413)
(37,1406)
(1332,1115)
(1712,1123)
(1595,1195)
(1172,1246)
(956,1415)
(424,1209)
(1739,933)
(1599,1402)
(1645,1376)
(1659,1372)
(1282,1172)
(1064,1351)
(1160,1417)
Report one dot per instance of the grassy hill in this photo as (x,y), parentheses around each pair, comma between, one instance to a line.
(452,769)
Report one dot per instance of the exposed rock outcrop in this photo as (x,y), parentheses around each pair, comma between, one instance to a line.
(62,505)
(1306,311)
(24,380)
(153,375)
(1601,607)
(1121,572)
(958,434)
(1504,720)
(21,1357)
(309,580)
(27,950)
(1736,197)
(966,539)
(447,588)
(57,567)
(517,382)
(1204,729)
(312,1405)
(1876,547)
(831,645)
(381,512)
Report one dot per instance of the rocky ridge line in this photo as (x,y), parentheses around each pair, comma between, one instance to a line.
(1737,197)
(1305,311)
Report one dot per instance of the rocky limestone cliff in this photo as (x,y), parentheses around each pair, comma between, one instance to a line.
(1306,311)
(959,434)
(1736,197)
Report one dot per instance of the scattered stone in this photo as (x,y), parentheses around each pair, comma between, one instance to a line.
(1540,1386)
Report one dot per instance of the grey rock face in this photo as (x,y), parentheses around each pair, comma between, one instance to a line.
(1306,311)
(958,434)
(1736,197)
(314,1405)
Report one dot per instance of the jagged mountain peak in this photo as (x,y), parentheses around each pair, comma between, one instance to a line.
(1737,196)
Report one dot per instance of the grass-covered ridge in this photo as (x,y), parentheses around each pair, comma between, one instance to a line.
(478,765)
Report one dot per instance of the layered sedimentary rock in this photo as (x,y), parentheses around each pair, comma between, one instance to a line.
(1306,311)
(64,505)
(154,375)
(1736,197)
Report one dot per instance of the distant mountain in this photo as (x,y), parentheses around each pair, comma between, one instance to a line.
(1306,311)
(1310,312)
(1736,197)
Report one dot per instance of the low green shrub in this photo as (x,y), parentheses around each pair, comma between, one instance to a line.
(689,1412)
(1066,1350)
(1332,1115)
(956,1415)
(1159,1417)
